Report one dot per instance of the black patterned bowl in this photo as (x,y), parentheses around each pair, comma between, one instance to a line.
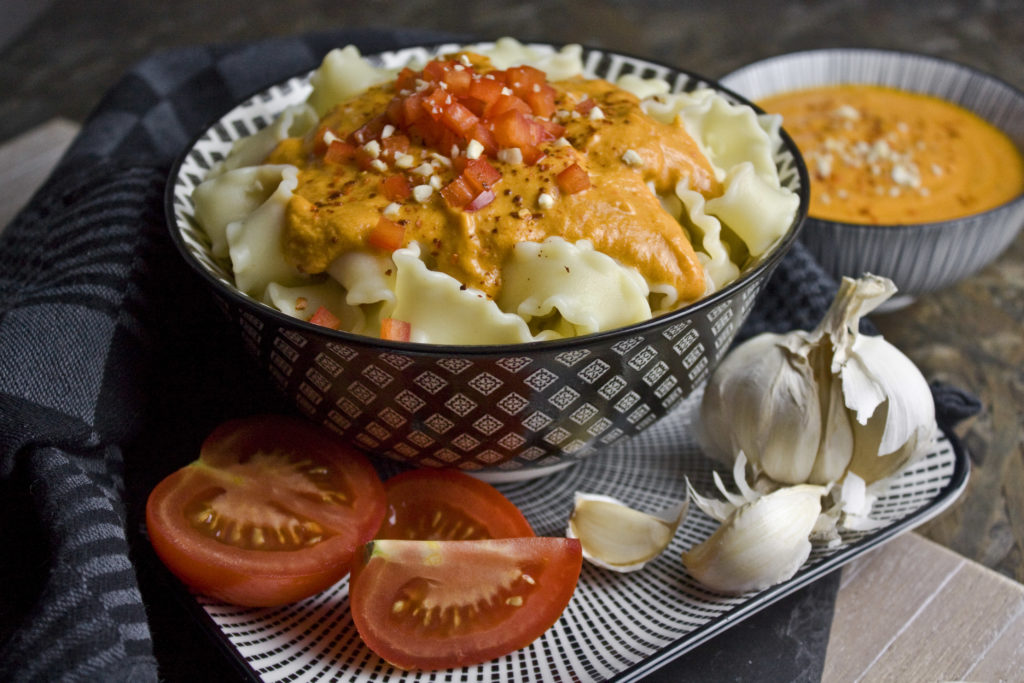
(505,412)
(919,258)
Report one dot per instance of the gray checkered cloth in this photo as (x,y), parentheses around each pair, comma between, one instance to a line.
(84,310)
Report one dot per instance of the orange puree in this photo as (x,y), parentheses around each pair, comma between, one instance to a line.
(338,205)
(883,156)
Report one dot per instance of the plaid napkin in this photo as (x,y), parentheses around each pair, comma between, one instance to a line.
(113,363)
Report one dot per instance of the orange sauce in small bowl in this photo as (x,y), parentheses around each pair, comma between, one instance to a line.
(883,156)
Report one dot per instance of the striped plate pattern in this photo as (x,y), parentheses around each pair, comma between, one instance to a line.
(617,625)
(918,258)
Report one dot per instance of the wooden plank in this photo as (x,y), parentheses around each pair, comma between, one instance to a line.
(917,611)
(1004,661)
(26,161)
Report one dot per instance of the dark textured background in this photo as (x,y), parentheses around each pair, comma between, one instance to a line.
(71,51)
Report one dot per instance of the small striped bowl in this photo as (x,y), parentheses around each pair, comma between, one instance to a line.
(919,258)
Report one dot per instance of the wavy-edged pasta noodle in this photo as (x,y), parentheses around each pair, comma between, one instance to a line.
(368,277)
(254,242)
(565,63)
(757,211)
(644,88)
(728,134)
(232,196)
(303,301)
(440,310)
(341,76)
(718,266)
(294,121)
(589,290)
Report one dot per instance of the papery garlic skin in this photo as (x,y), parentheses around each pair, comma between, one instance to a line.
(762,543)
(806,407)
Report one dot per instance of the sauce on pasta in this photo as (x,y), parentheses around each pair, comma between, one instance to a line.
(886,157)
(385,167)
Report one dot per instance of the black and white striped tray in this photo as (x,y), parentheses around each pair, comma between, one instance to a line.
(617,626)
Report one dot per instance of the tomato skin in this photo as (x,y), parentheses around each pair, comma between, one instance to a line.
(231,468)
(391,574)
(447,505)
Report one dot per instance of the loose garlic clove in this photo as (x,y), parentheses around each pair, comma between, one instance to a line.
(762,543)
(617,537)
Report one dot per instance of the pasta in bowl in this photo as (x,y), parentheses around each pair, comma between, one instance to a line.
(454,226)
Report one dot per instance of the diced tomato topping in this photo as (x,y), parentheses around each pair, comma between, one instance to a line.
(406,79)
(435,70)
(480,174)
(325,318)
(339,151)
(459,118)
(396,187)
(573,179)
(386,235)
(483,135)
(394,144)
(319,144)
(457,193)
(436,102)
(480,201)
(584,106)
(522,78)
(499,109)
(513,129)
(395,330)
(458,81)
(368,131)
(506,103)
(485,90)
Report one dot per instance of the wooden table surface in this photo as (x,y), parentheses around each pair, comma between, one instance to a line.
(911,610)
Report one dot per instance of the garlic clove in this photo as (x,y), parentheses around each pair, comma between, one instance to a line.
(761,543)
(738,415)
(617,537)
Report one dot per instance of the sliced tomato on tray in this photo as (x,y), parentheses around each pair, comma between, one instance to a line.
(445,504)
(273,511)
(446,604)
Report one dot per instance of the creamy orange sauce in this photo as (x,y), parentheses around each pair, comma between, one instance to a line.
(336,206)
(883,156)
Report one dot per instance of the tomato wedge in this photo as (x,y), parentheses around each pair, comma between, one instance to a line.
(448,505)
(271,512)
(445,604)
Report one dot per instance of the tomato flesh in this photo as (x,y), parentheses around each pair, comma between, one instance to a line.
(272,512)
(448,505)
(444,604)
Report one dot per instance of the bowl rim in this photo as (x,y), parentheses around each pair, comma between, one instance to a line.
(765,266)
(904,56)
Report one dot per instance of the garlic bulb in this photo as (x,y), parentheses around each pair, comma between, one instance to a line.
(617,537)
(806,407)
(763,540)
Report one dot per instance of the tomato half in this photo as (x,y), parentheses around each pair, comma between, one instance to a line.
(271,512)
(445,604)
(448,505)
